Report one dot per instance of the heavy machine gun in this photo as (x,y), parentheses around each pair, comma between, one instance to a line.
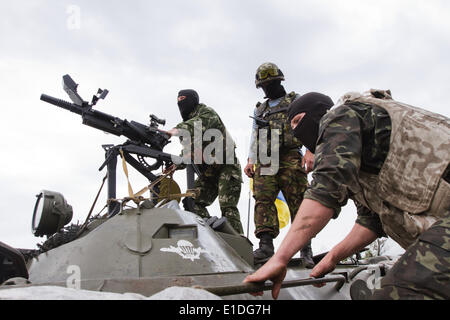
(144,141)
(135,131)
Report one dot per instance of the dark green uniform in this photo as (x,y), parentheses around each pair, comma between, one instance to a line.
(354,139)
(218,179)
(290,178)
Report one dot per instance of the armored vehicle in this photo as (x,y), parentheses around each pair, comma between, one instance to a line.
(155,244)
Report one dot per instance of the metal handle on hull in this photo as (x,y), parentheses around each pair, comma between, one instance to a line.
(258,286)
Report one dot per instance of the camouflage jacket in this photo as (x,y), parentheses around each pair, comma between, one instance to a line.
(203,126)
(353,137)
(277,119)
(369,149)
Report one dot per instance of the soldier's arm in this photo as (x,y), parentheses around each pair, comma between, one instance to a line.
(337,159)
(369,219)
(188,125)
(206,118)
(252,156)
(311,218)
(252,153)
(185,130)
(356,240)
(172,132)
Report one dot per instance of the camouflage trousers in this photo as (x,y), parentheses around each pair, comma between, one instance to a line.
(423,272)
(225,182)
(291,179)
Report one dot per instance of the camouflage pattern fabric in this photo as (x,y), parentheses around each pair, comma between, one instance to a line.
(291,179)
(418,155)
(267,72)
(218,179)
(369,219)
(353,138)
(406,193)
(209,119)
(277,118)
(423,272)
(354,142)
(225,182)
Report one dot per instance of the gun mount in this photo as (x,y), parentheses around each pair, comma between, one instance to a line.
(143,141)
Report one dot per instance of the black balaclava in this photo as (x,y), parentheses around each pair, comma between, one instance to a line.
(273,89)
(189,104)
(315,105)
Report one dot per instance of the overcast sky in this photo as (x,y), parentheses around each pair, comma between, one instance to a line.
(144,52)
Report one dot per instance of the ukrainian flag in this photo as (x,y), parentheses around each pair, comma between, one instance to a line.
(282,208)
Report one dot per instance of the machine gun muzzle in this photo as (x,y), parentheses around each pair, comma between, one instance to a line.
(62,104)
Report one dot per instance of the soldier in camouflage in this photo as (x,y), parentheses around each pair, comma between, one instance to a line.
(289,176)
(393,160)
(220,177)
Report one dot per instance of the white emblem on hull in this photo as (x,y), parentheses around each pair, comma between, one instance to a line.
(186,250)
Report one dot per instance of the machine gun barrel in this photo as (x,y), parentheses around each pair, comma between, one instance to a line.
(131,129)
(62,104)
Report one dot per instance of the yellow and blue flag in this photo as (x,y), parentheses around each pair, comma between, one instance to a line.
(282,208)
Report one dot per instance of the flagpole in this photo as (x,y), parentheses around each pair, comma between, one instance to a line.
(248,213)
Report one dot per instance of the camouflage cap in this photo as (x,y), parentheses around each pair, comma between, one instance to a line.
(267,72)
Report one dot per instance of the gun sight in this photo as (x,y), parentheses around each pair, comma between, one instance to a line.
(154,120)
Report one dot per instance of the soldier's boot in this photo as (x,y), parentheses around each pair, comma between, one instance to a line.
(307,256)
(265,250)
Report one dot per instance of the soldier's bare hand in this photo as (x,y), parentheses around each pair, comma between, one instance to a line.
(308,161)
(325,266)
(272,270)
(171,168)
(171,132)
(249,170)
